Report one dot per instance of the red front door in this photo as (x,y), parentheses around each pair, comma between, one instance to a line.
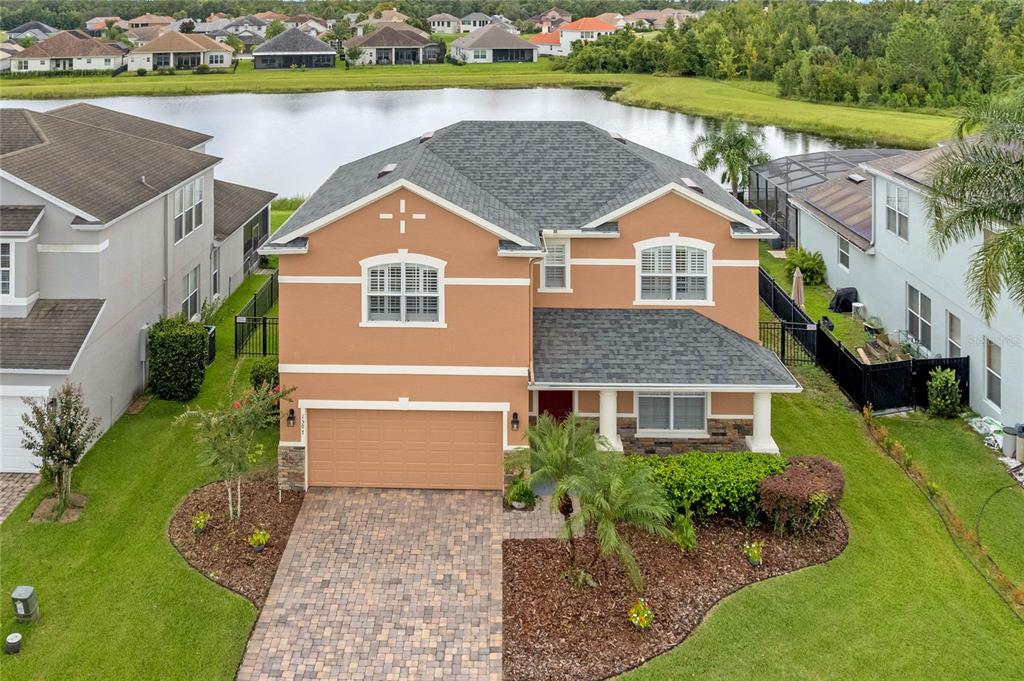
(558,403)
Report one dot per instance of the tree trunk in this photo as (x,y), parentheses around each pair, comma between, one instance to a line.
(565,508)
(231,509)
(238,498)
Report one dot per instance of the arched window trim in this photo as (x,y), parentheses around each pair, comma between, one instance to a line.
(675,240)
(403,258)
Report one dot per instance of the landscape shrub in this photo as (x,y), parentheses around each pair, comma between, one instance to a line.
(264,370)
(177,358)
(202,68)
(141,72)
(796,499)
(166,71)
(943,393)
(811,264)
(712,483)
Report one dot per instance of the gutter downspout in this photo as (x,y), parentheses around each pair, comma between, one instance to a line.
(530,378)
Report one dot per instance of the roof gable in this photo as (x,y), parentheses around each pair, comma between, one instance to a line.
(294,40)
(173,41)
(67,45)
(492,36)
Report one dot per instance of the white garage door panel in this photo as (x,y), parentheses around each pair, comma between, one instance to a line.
(13,458)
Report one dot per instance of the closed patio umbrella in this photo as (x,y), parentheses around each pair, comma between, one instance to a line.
(798,288)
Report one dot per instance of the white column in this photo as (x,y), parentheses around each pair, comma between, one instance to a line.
(608,419)
(761,440)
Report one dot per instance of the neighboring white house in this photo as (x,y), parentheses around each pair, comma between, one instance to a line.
(505,23)
(68,51)
(872,227)
(473,21)
(180,51)
(444,23)
(492,43)
(247,24)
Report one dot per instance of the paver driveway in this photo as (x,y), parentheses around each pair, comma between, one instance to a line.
(385,584)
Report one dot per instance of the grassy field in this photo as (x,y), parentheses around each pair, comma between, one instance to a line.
(954,457)
(117,601)
(900,603)
(753,102)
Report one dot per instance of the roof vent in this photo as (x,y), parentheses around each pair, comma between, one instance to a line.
(389,168)
(617,136)
(426,136)
(855,178)
(691,185)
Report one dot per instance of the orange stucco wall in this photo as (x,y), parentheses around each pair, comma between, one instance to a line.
(730,404)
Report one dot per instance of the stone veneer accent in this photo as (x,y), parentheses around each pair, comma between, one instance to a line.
(724,435)
(291,468)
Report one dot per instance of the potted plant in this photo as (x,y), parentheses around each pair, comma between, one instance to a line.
(199,521)
(754,551)
(520,494)
(258,540)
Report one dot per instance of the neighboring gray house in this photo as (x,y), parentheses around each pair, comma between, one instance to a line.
(36,29)
(872,226)
(392,45)
(108,222)
(247,24)
(294,48)
(492,43)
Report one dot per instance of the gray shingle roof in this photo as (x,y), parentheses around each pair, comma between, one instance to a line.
(294,41)
(50,336)
(18,218)
(502,171)
(131,125)
(647,348)
(492,36)
(389,36)
(234,204)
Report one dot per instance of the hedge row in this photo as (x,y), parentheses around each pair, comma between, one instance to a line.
(177,358)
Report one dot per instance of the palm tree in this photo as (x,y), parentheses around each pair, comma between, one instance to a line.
(115,34)
(275,29)
(234,42)
(559,454)
(733,146)
(977,187)
(613,492)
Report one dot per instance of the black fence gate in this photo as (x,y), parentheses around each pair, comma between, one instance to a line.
(255,336)
(793,342)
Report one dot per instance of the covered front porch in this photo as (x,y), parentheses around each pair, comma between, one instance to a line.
(657,381)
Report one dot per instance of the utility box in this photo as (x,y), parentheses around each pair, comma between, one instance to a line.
(26,607)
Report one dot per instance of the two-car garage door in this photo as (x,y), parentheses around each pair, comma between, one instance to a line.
(418,449)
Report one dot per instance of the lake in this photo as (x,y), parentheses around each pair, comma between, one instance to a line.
(291,143)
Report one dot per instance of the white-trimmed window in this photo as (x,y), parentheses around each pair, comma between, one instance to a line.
(554,271)
(215,271)
(6,268)
(919,317)
(216,59)
(993,373)
(188,209)
(953,344)
(190,297)
(21,65)
(479,55)
(843,256)
(673,270)
(403,289)
(897,210)
(672,413)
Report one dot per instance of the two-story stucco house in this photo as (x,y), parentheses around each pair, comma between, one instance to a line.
(872,227)
(431,305)
(108,222)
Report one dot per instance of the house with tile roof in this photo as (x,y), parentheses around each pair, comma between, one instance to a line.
(391,44)
(492,44)
(108,222)
(8,50)
(629,295)
(68,51)
(180,51)
(548,44)
(97,25)
(147,20)
(296,48)
(869,221)
(658,18)
(550,20)
(587,29)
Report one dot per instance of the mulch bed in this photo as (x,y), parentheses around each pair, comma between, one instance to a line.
(554,631)
(220,552)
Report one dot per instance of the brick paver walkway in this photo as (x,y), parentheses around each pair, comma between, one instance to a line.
(13,488)
(385,584)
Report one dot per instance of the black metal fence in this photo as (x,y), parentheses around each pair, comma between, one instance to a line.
(885,386)
(261,301)
(255,336)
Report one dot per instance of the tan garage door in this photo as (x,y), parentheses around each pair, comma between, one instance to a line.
(427,449)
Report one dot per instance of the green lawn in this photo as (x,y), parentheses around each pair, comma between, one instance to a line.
(954,457)
(117,601)
(900,603)
(754,102)
(847,330)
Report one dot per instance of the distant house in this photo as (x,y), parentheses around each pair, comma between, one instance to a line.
(35,29)
(444,23)
(294,47)
(68,51)
(369,26)
(658,18)
(271,16)
(490,44)
(505,23)
(142,36)
(297,20)
(550,20)
(214,16)
(212,26)
(180,51)
(147,20)
(97,25)
(548,44)
(559,43)
(312,28)
(8,50)
(613,18)
(391,45)
(473,21)
(247,24)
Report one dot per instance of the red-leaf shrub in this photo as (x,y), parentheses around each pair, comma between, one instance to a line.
(797,498)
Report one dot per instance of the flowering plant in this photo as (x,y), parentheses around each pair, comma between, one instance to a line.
(258,538)
(754,551)
(641,615)
(199,521)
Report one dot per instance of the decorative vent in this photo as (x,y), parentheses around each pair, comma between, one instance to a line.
(426,136)
(855,178)
(389,168)
(617,136)
(691,185)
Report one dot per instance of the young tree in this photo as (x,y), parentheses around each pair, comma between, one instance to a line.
(59,431)
(977,187)
(353,54)
(735,148)
(115,34)
(234,42)
(275,29)
(226,437)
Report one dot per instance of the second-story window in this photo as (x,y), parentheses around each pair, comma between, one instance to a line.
(675,273)
(555,268)
(403,292)
(919,317)
(188,208)
(897,210)
(6,268)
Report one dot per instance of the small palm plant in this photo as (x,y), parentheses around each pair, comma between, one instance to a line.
(734,147)
(613,492)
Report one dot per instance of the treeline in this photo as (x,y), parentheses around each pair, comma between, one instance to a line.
(935,53)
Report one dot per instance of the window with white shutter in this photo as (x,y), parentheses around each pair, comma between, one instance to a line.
(675,273)
(403,292)
(555,268)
